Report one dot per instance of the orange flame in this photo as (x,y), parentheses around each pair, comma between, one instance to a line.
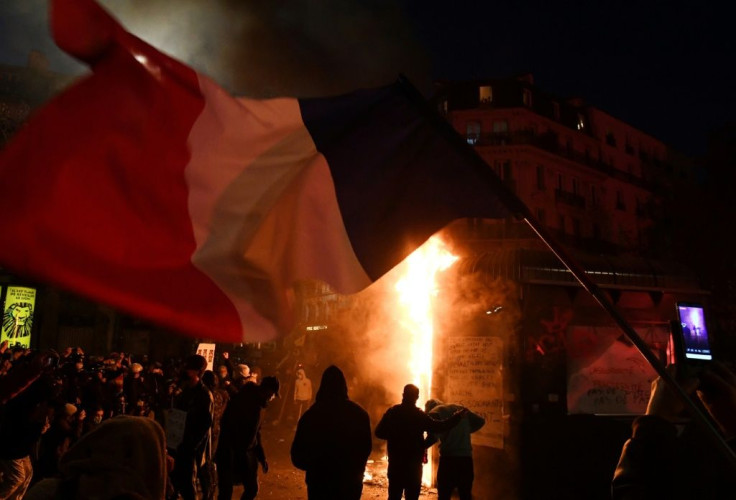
(416,288)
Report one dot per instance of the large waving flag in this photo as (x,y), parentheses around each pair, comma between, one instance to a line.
(146,186)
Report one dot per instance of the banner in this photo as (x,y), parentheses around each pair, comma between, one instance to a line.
(18,312)
(606,373)
(208,351)
(477,384)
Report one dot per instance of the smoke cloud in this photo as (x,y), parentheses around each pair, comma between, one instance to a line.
(369,340)
(257,48)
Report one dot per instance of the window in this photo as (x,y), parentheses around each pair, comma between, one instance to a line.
(472,132)
(562,223)
(486,94)
(629,147)
(503,169)
(442,107)
(527,98)
(500,132)
(576,228)
(560,181)
(506,169)
(593,196)
(500,127)
(611,139)
(540,177)
(640,208)
(581,121)
(574,185)
(620,205)
(541,216)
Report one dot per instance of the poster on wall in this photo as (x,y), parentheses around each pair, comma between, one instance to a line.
(476,382)
(606,373)
(18,312)
(208,352)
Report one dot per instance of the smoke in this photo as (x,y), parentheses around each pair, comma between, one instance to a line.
(369,340)
(259,48)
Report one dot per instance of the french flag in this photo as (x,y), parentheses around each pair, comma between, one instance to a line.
(148,187)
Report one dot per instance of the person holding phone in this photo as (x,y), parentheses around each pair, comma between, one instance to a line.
(667,458)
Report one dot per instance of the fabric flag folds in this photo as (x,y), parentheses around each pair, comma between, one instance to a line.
(148,187)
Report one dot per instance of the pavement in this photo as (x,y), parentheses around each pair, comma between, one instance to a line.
(285,482)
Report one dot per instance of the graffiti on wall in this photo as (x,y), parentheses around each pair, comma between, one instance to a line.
(611,377)
(549,336)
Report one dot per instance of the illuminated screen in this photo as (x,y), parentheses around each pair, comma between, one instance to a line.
(18,312)
(694,332)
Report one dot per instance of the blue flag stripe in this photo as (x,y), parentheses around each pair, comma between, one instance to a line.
(398,177)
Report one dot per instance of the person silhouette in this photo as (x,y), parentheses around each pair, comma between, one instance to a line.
(333,441)
(302,392)
(455,469)
(403,427)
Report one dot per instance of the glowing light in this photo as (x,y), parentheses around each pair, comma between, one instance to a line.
(416,289)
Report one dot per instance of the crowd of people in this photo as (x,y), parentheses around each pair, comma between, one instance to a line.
(53,405)
(78,426)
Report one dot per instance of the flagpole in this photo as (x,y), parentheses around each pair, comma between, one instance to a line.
(520,211)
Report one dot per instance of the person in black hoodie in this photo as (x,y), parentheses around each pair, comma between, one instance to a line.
(333,442)
(239,449)
(196,405)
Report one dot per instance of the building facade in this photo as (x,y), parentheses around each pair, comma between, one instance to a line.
(594,180)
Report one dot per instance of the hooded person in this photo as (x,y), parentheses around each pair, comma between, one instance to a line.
(239,449)
(124,457)
(333,441)
(403,427)
(302,392)
(455,468)
(194,406)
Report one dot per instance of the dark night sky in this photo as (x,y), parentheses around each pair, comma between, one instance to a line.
(664,67)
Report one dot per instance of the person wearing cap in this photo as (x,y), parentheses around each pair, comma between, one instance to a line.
(455,469)
(403,427)
(195,400)
(239,450)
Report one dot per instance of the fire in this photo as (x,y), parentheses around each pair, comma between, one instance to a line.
(416,288)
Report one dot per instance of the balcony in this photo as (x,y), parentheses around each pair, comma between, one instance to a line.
(549,142)
(571,199)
